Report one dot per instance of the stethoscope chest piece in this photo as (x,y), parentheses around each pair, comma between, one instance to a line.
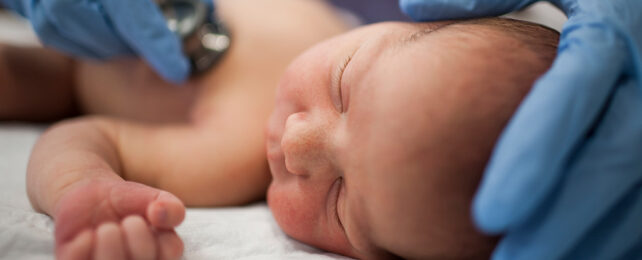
(205,39)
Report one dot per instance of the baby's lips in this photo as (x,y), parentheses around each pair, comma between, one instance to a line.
(166,211)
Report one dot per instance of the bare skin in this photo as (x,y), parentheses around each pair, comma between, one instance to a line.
(23,92)
(116,182)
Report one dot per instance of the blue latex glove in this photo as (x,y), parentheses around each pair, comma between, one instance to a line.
(565,179)
(102,29)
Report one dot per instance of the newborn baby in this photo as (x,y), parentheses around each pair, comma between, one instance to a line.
(376,146)
(380,136)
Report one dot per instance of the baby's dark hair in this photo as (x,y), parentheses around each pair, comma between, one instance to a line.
(501,60)
(529,52)
(539,39)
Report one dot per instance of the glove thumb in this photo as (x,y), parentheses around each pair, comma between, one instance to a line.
(433,10)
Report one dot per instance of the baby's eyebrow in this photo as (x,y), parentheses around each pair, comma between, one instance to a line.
(419,34)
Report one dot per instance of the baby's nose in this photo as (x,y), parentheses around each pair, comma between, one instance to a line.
(303,144)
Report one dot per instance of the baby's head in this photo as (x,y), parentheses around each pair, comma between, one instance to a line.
(381,159)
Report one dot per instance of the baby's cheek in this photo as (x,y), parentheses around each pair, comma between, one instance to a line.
(291,211)
(300,214)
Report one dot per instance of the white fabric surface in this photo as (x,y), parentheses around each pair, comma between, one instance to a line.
(24,234)
(14,30)
(543,13)
(229,233)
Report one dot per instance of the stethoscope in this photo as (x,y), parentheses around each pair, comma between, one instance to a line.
(205,39)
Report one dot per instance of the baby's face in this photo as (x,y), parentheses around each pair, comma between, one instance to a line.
(359,143)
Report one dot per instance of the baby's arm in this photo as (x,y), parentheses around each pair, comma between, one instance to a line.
(78,172)
(91,171)
(72,176)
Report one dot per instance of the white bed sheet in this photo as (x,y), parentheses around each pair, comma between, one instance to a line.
(247,232)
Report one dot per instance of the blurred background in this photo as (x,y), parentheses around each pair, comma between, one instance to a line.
(15,30)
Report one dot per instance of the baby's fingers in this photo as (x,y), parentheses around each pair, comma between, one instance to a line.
(139,238)
(170,245)
(109,243)
(78,248)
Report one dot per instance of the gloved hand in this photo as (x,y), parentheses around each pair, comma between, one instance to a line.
(102,29)
(565,179)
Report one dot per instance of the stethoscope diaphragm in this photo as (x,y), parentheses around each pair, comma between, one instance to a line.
(205,39)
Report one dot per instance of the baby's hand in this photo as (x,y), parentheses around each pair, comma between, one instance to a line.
(115,219)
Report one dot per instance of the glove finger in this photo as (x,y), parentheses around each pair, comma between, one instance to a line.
(19,7)
(144,28)
(50,35)
(551,123)
(433,10)
(625,18)
(598,204)
(617,234)
(85,23)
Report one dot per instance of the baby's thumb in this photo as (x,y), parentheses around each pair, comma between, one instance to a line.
(161,208)
(167,211)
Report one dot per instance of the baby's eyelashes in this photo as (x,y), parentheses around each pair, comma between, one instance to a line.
(336,88)
(339,199)
(343,87)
